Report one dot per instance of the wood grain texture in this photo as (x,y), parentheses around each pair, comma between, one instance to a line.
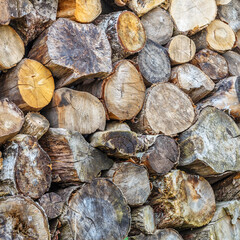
(4,12)
(233,61)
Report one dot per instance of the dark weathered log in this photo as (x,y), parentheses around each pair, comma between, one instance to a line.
(125,33)
(22,218)
(19,8)
(4,12)
(233,61)
(83,58)
(54,231)
(73,159)
(96,210)
(29,85)
(133,181)
(182,200)
(77,111)
(192,81)
(166,110)
(26,168)
(210,147)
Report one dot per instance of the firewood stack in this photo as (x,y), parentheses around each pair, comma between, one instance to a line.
(120,119)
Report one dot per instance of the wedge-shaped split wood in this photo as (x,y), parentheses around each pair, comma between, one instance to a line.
(233,61)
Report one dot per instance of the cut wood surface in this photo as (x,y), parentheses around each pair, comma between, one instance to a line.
(26,168)
(79,10)
(97,210)
(30,85)
(233,61)
(238,39)
(192,81)
(125,33)
(4,12)
(166,110)
(11,120)
(68,110)
(210,147)
(223,2)
(132,180)
(181,200)
(83,58)
(22,218)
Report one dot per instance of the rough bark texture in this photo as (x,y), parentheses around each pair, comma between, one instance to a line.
(233,61)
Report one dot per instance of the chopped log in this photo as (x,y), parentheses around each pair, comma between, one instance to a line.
(190,16)
(11,119)
(226,96)
(79,10)
(52,204)
(181,49)
(211,63)
(35,125)
(210,147)
(192,81)
(22,218)
(73,159)
(233,61)
(230,13)
(224,225)
(160,115)
(68,110)
(238,39)
(125,33)
(122,126)
(26,168)
(11,48)
(162,156)
(29,85)
(158,25)
(83,58)
(182,200)
(223,2)
(4,12)
(132,180)
(96,210)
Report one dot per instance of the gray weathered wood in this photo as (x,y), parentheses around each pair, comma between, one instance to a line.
(233,60)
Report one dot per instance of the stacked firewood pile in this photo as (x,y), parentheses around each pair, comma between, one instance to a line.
(119,119)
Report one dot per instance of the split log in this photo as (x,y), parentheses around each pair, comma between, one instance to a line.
(4,12)
(223,2)
(79,10)
(159,115)
(26,168)
(96,210)
(83,58)
(123,91)
(22,218)
(11,119)
(181,49)
(29,85)
(211,63)
(11,48)
(181,200)
(132,180)
(68,110)
(125,33)
(192,81)
(226,96)
(35,125)
(238,39)
(233,61)
(73,159)
(190,16)
(224,225)
(158,25)
(114,125)
(210,147)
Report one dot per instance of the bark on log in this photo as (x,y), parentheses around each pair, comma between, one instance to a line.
(79,10)
(11,48)
(19,8)
(211,63)
(29,85)
(73,159)
(22,218)
(68,110)
(125,33)
(96,210)
(11,120)
(210,147)
(190,16)
(83,58)
(4,12)
(159,115)
(182,200)
(132,180)
(158,25)
(35,125)
(233,61)
(192,81)
(26,168)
